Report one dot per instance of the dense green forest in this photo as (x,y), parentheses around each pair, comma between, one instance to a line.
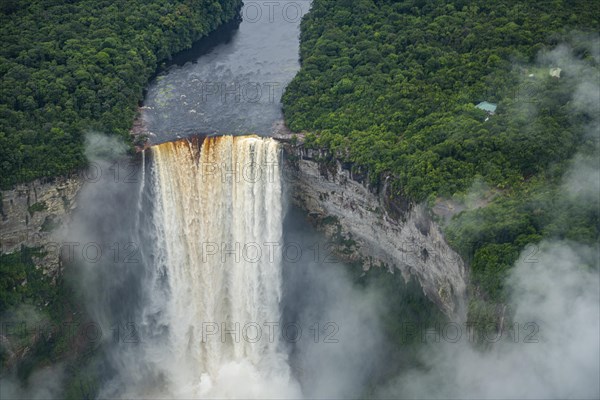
(67,67)
(391,87)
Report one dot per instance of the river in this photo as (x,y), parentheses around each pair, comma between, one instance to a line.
(230,82)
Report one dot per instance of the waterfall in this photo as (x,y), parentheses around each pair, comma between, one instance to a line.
(218,235)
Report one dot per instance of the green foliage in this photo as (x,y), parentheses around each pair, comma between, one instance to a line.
(29,300)
(47,318)
(21,282)
(68,67)
(492,238)
(391,85)
(35,207)
(49,224)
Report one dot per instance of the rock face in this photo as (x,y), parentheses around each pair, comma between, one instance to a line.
(368,225)
(31,211)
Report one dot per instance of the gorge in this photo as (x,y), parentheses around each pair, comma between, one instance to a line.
(224,256)
(179,225)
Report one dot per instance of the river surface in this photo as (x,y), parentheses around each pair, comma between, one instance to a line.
(230,82)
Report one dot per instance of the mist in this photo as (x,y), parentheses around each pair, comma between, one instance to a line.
(43,383)
(553,351)
(342,340)
(551,348)
(103,247)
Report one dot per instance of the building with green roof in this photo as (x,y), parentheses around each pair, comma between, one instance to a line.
(490,108)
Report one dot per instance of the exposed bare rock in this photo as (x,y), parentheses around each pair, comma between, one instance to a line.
(31,211)
(370,225)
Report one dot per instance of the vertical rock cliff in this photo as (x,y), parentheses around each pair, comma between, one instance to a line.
(370,226)
(31,211)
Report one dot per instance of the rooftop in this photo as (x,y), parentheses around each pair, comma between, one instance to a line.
(485,106)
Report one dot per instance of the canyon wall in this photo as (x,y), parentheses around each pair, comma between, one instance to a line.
(369,225)
(31,211)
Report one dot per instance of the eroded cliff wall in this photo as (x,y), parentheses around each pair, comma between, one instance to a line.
(31,211)
(369,225)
